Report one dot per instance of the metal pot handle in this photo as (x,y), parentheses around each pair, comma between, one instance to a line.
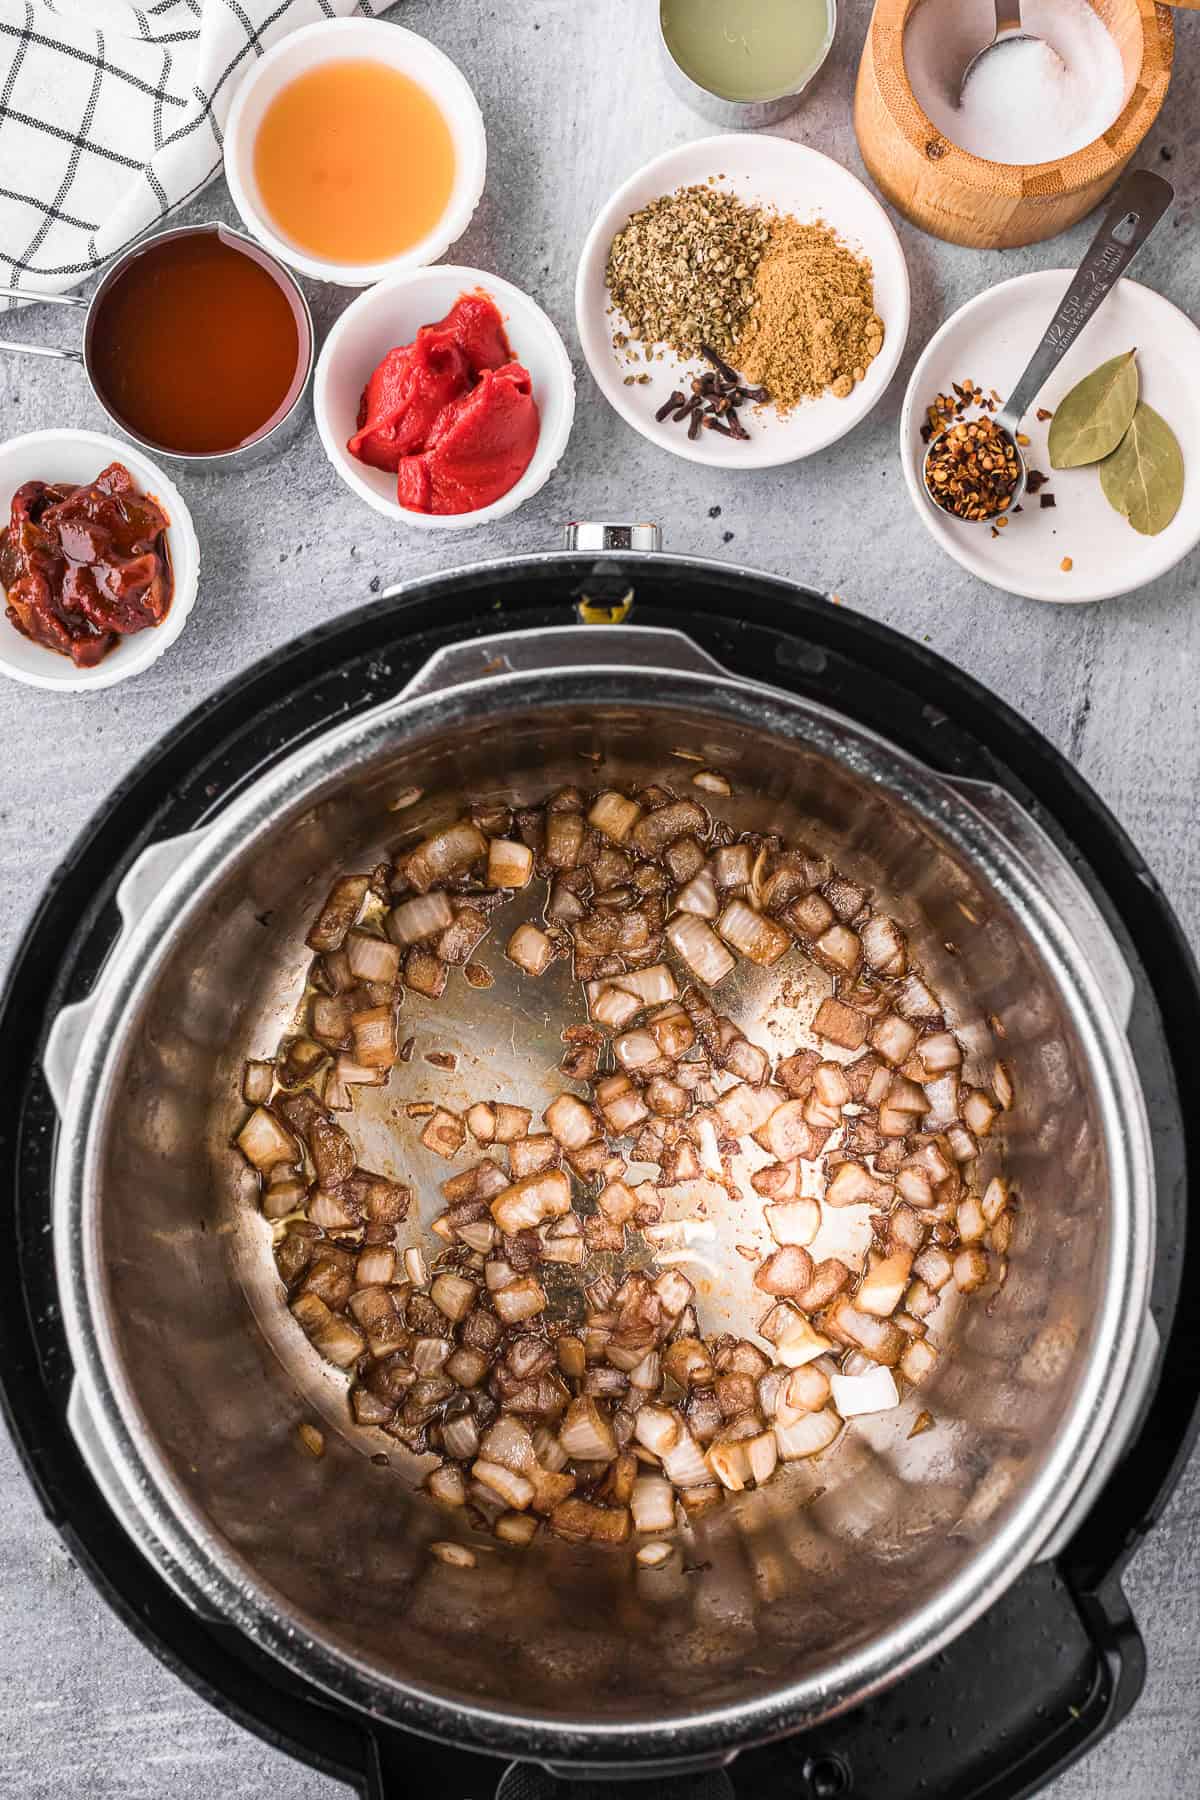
(107,1477)
(604,536)
(560,647)
(535,1781)
(141,883)
(564,646)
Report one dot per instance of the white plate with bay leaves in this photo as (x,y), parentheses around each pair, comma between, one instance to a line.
(1067,543)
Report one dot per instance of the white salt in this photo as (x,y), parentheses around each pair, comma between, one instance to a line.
(1027,101)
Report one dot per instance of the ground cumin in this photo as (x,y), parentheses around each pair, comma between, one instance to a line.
(813,328)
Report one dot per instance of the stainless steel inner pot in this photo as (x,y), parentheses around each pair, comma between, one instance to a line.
(191,1377)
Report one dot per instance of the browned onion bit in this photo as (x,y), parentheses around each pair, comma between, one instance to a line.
(600,1408)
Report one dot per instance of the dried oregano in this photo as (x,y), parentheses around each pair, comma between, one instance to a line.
(681,270)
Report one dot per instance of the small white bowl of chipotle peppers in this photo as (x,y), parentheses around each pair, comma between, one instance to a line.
(444,398)
(98,583)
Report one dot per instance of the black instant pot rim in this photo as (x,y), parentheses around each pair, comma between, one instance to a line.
(816,631)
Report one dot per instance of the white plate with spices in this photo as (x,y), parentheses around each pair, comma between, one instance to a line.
(780,177)
(988,342)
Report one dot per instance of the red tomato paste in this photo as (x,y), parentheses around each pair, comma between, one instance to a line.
(451,414)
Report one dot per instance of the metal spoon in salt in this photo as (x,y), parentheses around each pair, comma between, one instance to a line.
(1009,30)
(1135,209)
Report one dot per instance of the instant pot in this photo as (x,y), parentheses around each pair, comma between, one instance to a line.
(990,1644)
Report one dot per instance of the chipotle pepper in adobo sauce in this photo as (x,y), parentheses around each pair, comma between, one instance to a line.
(83,567)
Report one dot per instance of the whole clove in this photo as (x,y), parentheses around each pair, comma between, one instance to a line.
(716,394)
(719,364)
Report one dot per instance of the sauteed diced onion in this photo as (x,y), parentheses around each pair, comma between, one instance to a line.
(265,1143)
(700,948)
(258,1079)
(531,949)
(426,916)
(626,1416)
(509,865)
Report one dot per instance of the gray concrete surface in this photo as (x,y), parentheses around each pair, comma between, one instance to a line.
(574,102)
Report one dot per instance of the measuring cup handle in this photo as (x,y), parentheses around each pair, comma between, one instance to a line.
(1134,210)
(20,293)
(12,349)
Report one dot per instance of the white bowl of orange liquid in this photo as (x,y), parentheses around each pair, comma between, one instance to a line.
(355,149)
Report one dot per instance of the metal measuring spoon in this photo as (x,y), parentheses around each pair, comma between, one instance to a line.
(1135,209)
(1009,30)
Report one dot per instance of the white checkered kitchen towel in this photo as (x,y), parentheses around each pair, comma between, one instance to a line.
(111,115)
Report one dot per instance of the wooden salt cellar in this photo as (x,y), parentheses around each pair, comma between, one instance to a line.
(995,206)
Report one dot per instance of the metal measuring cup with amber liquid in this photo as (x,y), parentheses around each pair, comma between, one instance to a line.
(197,343)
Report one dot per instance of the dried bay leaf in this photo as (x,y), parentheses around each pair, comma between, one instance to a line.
(1143,476)
(1093,418)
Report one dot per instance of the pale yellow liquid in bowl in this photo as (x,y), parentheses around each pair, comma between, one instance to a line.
(747,49)
(354,162)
